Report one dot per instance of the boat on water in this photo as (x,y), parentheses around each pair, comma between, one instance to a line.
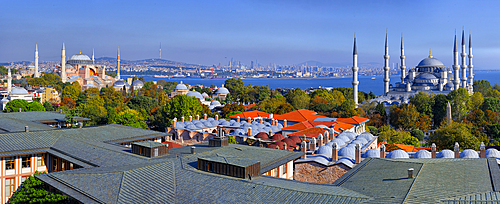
(373,77)
(179,76)
(161,76)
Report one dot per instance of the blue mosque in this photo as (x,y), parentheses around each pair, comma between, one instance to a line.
(430,75)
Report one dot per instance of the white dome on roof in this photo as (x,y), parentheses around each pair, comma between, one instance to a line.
(422,154)
(215,103)
(343,137)
(398,154)
(19,91)
(80,57)
(350,135)
(326,150)
(446,153)
(492,153)
(347,152)
(430,62)
(339,142)
(469,153)
(137,83)
(222,90)
(181,86)
(195,94)
(372,153)
(120,83)
(204,94)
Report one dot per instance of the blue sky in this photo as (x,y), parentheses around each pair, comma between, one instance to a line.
(282,32)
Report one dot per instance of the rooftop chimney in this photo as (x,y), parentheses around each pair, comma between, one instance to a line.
(357,158)
(284,123)
(270,116)
(249,120)
(284,146)
(238,119)
(410,173)
(320,140)
(205,116)
(216,117)
(20,109)
(327,137)
(26,128)
(303,149)
(249,131)
(80,124)
(190,118)
(482,150)
(457,150)
(193,150)
(60,111)
(197,117)
(433,150)
(182,119)
(335,151)
(382,151)
(313,144)
(261,120)
(174,122)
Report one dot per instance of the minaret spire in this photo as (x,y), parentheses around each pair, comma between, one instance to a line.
(36,74)
(9,81)
(402,57)
(464,65)
(93,59)
(456,78)
(118,64)
(386,65)
(160,50)
(355,81)
(63,64)
(471,75)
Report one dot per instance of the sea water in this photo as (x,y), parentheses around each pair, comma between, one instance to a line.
(374,84)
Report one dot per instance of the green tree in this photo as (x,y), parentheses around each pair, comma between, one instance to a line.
(447,134)
(232,109)
(48,106)
(142,104)
(298,99)
(482,86)
(35,106)
(392,136)
(284,108)
(460,103)
(410,140)
(418,134)
(423,102)
(35,191)
(130,117)
(493,93)
(93,108)
(182,105)
(373,130)
(439,108)
(16,104)
(477,100)
(71,92)
(380,109)
(270,105)
(490,103)
(111,97)
(407,117)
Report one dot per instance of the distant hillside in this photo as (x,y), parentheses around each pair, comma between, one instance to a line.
(143,61)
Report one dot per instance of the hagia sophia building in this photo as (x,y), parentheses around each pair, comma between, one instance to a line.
(82,68)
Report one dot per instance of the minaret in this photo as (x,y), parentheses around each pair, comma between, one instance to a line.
(402,57)
(355,81)
(118,64)
(456,78)
(386,66)
(9,81)
(471,76)
(36,61)
(63,64)
(160,50)
(464,65)
(93,59)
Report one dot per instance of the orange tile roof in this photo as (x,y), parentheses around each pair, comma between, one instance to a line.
(299,115)
(342,125)
(309,124)
(353,120)
(251,114)
(309,132)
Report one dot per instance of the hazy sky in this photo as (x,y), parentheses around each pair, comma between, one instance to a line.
(282,32)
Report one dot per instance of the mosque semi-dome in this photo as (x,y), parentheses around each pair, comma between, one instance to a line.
(137,83)
(120,83)
(222,90)
(181,86)
(195,94)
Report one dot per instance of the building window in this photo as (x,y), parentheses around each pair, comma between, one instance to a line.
(24,178)
(285,167)
(10,163)
(54,164)
(41,159)
(9,186)
(26,161)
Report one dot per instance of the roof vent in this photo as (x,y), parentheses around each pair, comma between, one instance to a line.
(239,167)
(193,148)
(219,140)
(410,173)
(149,148)
(26,128)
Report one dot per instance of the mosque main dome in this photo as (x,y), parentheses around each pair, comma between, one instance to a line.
(430,62)
(80,59)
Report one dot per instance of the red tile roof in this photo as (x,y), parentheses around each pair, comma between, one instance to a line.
(250,106)
(309,124)
(251,114)
(299,115)
(172,145)
(353,120)
(342,125)
(310,132)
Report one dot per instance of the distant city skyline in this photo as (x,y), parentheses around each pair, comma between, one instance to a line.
(281,32)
